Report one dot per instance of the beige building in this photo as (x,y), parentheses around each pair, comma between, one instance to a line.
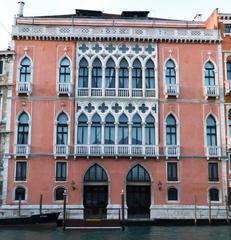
(6,61)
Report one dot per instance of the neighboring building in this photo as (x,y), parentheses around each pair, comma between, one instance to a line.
(6,67)
(225,27)
(106,103)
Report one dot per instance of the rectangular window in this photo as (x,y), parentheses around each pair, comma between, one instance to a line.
(227,28)
(213,172)
(21,171)
(172,174)
(228,68)
(1,67)
(61,171)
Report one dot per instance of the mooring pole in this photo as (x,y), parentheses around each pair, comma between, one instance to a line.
(64,209)
(40,204)
(226,209)
(209,210)
(19,205)
(122,205)
(195,200)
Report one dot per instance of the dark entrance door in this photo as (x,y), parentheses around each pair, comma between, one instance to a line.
(95,201)
(138,201)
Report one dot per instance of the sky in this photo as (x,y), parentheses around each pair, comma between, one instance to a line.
(173,9)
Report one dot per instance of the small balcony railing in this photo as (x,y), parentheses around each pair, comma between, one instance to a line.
(117,150)
(61,150)
(96,92)
(172,151)
(213,151)
(23,88)
(172,90)
(123,92)
(83,92)
(211,91)
(228,86)
(110,92)
(150,93)
(137,93)
(64,88)
(21,150)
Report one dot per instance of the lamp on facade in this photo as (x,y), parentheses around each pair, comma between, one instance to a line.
(159,185)
(73,185)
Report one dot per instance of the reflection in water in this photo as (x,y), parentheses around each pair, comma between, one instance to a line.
(131,233)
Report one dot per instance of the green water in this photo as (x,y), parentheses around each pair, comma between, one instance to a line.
(131,233)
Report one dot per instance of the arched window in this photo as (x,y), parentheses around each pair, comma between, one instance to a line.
(23,129)
(170,72)
(59,191)
(20,193)
(64,71)
(149,75)
(136,130)
(95,174)
(123,130)
(214,194)
(109,132)
(150,130)
(82,130)
(138,174)
(62,129)
(228,69)
(172,194)
(171,131)
(83,74)
(209,74)
(25,70)
(211,131)
(110,74)
(123,74)
(136,74)
(96,74)
(96,129)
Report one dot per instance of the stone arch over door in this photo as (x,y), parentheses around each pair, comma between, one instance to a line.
(138,192)
(95,192)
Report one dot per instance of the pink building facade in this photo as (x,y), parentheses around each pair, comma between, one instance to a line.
(108,103)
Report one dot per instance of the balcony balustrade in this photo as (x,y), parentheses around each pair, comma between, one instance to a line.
(64,88)
(213,152)
(61,150)
(110,92)
(117,150)
(172,90)
(83,92)
(21,150)
(211,91)
(228,86)
(23,88)
(172,151)
(96,92)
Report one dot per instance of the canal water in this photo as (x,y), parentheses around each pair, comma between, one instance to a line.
(130,233)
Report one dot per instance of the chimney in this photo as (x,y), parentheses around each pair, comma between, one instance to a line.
(20,9)
(198,18)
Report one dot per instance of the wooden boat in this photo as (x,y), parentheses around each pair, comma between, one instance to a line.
(43,218)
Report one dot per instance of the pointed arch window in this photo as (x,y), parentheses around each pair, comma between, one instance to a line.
(62,129)
(123,130)
(211,131)
(25,70)
(138,174)
(149,75)
(136,74)
(97,74)
(82,130)
(209,74)
(110,74)
(109,132)
(136,130)
(23,129)
(123,74)
(95,174)
(64,71)
(83,74)
(170,72)
(96,129)
(150,130)
(20,193)
(171,130)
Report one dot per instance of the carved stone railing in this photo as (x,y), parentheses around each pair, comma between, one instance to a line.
(78,32)
(21,150)
(172,151)
(213,151)
(61,150)
(63,88)
(23,88)
(211,91)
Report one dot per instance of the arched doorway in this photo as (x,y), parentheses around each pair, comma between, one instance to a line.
(138,194)
(95,192)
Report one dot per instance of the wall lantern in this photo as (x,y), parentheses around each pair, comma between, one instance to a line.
(73,185)
(159,185)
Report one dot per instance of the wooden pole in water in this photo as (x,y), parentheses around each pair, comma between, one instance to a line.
(40,204)
(19,205)
(209,210)
(195,200)
(226,209)
(64,209)
(122,205)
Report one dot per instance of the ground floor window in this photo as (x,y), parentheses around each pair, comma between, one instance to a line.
(61,171)
(172,194)
(59,191)
(21,170)
(214,195)
(20,194)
